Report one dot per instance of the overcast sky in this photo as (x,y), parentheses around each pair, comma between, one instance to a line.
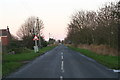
(54,13)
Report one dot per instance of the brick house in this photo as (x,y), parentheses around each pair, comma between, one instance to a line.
(5,36)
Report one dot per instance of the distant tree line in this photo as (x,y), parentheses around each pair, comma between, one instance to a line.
(90,27)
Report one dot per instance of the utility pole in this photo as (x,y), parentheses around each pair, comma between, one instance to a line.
(38,26)
(35,47)
(49,36)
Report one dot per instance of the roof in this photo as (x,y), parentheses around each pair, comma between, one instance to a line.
(3,32)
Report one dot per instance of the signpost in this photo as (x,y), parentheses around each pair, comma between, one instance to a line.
(35,38)
(35,47)
(36,32)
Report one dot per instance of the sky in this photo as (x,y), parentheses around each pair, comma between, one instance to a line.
(55,14)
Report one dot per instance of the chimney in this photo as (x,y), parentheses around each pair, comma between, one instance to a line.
(7,28)
(8,34)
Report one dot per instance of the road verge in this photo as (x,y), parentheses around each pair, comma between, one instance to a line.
(12,62)
(107,60)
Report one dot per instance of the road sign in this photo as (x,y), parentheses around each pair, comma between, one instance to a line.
(35,38)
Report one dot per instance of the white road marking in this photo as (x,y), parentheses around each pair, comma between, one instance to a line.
(116,70)
(109,69)
(61,77)
(90,59)
(63,71)
(61,53)
(62,64)
(62,57)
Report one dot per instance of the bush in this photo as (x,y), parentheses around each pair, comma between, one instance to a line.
(20,50)
(44,43)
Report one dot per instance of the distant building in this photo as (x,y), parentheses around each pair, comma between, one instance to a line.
(5,36)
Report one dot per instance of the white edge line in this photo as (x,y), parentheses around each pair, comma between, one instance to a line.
(116,70)
(88,58)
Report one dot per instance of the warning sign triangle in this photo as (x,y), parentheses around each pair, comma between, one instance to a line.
(35,38)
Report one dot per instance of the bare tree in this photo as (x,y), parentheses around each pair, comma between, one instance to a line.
(27,30)
(90,27)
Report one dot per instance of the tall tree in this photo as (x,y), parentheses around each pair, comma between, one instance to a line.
(28,29)
(90,27)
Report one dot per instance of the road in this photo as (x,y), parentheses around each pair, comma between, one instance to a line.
(61,62)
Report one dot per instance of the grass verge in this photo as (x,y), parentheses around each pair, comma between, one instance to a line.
(107,60)
(11,62)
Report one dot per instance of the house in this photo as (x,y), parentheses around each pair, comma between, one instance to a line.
(5,36)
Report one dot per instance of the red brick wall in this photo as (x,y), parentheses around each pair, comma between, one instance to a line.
(4,40)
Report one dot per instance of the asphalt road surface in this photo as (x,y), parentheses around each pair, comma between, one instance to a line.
(61,62)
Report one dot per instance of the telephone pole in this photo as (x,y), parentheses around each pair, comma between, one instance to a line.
(35,47)
(49,36)
(38,26)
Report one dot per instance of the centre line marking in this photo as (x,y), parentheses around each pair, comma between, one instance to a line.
(61,57)
(61,77)
(62,66)
(62,53)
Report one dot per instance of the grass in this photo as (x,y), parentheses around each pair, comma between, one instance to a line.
(43,50)
(19,57)
(100,49)
(107,60)
(8,67)
(11,62)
